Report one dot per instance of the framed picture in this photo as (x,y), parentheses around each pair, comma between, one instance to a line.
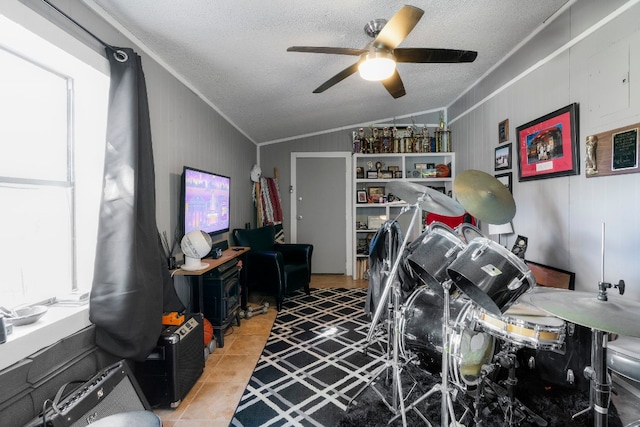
(361,196)
(393,168)
(359,172)
(505,178)
(372,174)
(548,146)
(551,277)
(503,131)
(397,174)
(387,174)
(502,158)
(420,166)
(375,193)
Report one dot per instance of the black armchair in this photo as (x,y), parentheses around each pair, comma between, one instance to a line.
(274,267)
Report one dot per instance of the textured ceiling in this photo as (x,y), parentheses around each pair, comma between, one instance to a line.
(233,53)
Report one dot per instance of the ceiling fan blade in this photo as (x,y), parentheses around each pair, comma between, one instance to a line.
(424,55)
(337,78)
(331,50)
(394,85)
(398,27)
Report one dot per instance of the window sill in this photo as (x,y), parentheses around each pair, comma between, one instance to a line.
(58,323)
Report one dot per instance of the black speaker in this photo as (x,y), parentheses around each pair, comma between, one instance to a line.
(112,391)
(175,364)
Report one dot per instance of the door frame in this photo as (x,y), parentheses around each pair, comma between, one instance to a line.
(293,227)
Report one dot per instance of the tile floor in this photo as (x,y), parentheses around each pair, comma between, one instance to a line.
(213,399)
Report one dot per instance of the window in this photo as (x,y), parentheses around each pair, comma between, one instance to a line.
(52,140)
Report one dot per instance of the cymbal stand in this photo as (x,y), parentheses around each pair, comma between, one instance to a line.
(597,374)
(394,337)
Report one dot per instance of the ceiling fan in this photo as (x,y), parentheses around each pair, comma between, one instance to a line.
(378,58)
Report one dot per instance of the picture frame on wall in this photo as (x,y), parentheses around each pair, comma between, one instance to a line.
(503,131)
(502,157)
(507,180)
(548,146)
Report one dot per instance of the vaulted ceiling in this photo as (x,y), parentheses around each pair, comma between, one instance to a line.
(234,54)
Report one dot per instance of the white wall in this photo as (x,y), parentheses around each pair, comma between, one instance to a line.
(584,59)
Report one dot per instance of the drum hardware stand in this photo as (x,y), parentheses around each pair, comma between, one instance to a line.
(394,328)
(514,411)
(446,407)
(597,374)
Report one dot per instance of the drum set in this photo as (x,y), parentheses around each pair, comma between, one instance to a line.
(475,314)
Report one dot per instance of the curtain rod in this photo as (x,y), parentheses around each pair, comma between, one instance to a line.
(119,54)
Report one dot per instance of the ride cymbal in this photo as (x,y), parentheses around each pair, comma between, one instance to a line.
(616,315)
(428,199)
(484,197)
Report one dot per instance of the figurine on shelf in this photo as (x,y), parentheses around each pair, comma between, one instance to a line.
(386,140)
(408,139)
(376,142)
(426,141)
(363,140)
(396,140)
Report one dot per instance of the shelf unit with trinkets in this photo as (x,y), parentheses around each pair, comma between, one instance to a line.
(373,205)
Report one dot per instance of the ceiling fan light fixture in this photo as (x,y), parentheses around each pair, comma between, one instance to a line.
(378,65)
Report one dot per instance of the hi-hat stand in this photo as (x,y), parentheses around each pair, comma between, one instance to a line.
(391,284)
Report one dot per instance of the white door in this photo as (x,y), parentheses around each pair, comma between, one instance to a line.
(320,208)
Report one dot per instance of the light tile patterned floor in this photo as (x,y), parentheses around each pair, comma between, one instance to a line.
(213,399)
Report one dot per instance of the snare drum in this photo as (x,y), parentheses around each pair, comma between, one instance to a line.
(432,252)
(421,334)
(490,275)
(524,325)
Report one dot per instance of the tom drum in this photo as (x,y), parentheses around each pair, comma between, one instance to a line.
(490,275)
(432,252)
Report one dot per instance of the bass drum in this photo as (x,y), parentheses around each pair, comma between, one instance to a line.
(561,368)
(421,335)
(432,252)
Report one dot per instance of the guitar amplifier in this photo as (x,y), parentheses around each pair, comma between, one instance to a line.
(112,391)
(175,364)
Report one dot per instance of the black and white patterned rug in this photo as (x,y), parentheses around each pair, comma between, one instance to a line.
(312,363)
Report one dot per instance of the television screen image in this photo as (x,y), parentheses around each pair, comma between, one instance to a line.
(205,202)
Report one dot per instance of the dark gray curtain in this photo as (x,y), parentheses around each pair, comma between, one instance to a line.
(131,285)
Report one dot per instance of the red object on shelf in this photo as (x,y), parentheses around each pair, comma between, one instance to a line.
(451,221)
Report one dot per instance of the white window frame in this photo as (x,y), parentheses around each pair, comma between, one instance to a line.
(90,115)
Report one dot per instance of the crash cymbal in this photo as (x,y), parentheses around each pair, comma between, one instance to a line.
(484,197)
(428,199)
(617,315)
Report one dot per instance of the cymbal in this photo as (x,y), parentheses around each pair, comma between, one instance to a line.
(484,197)
(617,315)
(428,199)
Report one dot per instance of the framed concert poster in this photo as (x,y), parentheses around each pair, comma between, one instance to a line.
(548,146)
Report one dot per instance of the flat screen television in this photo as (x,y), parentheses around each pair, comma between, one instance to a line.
(205,201)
